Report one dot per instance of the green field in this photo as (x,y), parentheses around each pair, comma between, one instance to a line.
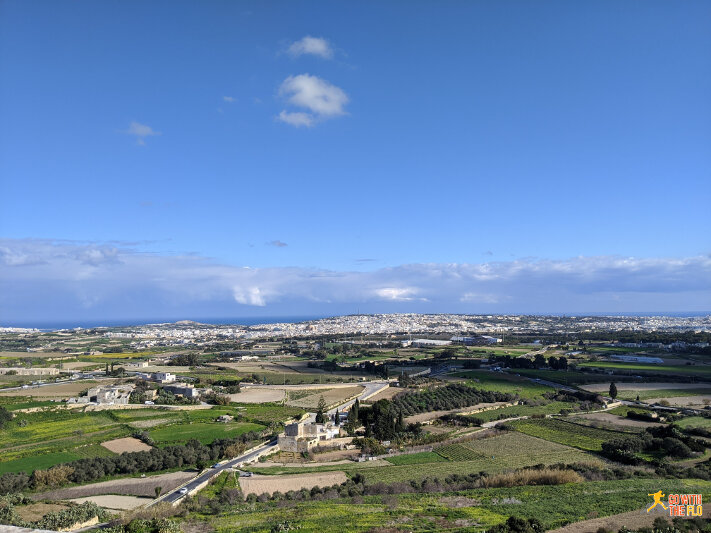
(416,458)
(496,454)
(205,432)
(46,460)
(554,506)
(501,382)
(567,433)
(565,377)
(690,370)
(661,393)
(694,422)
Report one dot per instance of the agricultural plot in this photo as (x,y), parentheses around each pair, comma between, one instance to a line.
(416,458)
(57,392)
(682,370)
(462,511)
(698,402)
(270,484)
(132,486)
(493,455)
(616,422)
(567,433)
(331,397)
(205,432)
(566,377)
(500,382)
(695,422)
(126,444)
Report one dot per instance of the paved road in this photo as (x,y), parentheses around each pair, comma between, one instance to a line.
(175,495)
(371,388)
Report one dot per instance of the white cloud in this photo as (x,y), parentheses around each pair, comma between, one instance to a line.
(399,294)
(44,279)
(140,132)
(229,99)
(316,46)
(321,99)
(296,119)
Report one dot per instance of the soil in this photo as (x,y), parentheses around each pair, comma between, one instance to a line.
(285,483)
(127,444)
(609,418)
(134,486)
(113,501)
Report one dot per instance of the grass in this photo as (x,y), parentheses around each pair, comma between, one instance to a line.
(416,458)
(203,431)
(522,410)
(554,506)
(567,433)
(660,393)
(500,382)
(695,422)
(28,464)
(493,455)
(565,377)
(691,370)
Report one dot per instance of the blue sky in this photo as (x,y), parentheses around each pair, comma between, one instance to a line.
(358,140)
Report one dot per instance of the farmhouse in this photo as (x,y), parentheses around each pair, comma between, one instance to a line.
(301,437)
(183,389)
(106,395)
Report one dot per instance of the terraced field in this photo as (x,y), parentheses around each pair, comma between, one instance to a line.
(567,433)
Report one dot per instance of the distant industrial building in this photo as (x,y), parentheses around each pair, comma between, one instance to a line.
(637,359)
(474,341)
(425,343)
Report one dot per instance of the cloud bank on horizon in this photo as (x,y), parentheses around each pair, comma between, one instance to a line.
(42,280)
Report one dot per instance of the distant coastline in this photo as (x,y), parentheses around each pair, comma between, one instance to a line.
(256,320)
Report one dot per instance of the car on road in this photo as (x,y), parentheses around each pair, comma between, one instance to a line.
(245,474)
(184,490)
(216,465)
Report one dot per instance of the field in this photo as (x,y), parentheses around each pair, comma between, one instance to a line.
(61,391)
(687,370)
(566,432)
(416,458)
(270,484)
(695,422)
(462,511)
(258,395)
(126,444)
(132,486)
(501,382)
(332,397)
(617,422)
(697,402)
(205,432)
(115,502)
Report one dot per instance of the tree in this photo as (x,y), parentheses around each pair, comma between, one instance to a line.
(5,416)
(320,416)
(336,418)
(158,491)
(539,361)
(613,390)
